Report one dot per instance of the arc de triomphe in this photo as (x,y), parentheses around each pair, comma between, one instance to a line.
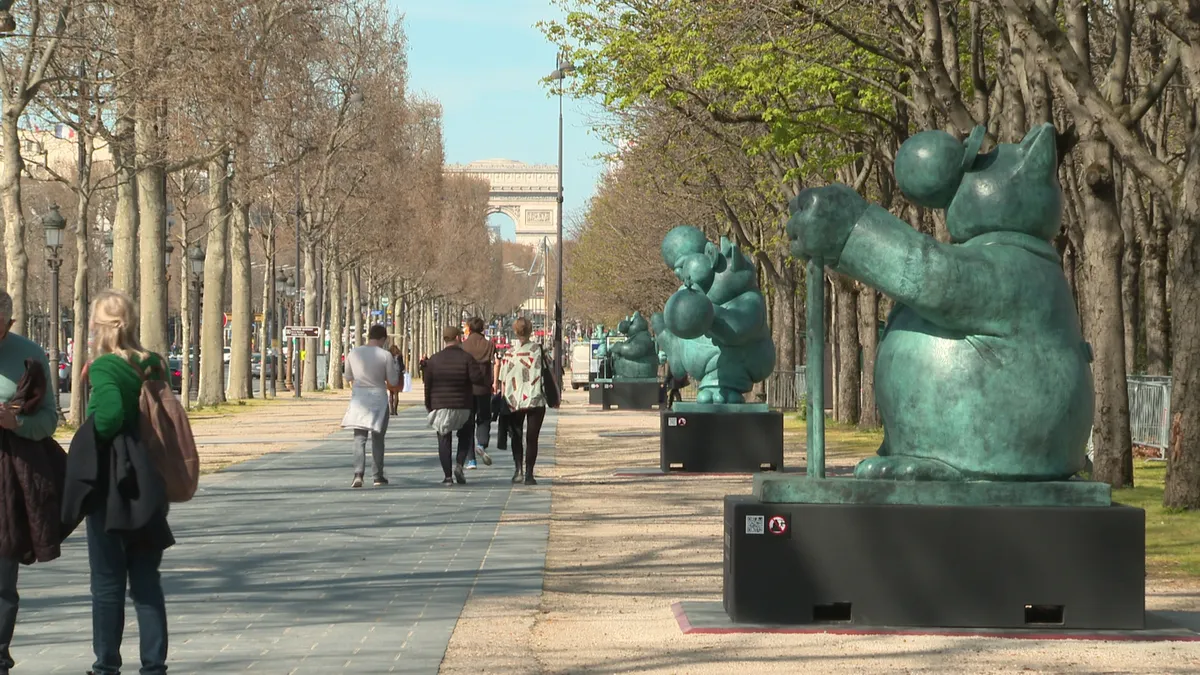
(527,193)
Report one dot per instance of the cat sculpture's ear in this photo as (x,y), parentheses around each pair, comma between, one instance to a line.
(1040,150)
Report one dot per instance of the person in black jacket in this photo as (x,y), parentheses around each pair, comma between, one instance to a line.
(450,376)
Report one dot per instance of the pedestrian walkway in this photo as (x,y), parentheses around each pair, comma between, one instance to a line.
(282,569)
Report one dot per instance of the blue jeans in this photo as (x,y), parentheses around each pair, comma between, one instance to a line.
(114,568)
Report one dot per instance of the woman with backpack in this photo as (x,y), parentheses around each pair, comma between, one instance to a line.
(122,560)
(521,383)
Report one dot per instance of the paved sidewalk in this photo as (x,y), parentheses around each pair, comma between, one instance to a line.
(282,569)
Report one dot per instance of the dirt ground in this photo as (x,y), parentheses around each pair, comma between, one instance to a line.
(623,549)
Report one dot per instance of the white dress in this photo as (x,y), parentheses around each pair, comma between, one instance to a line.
(371,369)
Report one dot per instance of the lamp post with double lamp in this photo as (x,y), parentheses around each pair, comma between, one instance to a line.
(559,75)
(53,225)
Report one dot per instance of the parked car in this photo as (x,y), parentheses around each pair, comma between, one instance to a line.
(256,365)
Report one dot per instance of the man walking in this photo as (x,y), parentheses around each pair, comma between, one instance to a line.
(23,531)
(370,370)
(450,378)
(478,346)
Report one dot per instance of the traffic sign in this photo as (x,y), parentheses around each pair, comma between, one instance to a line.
(296,332)
(385,301)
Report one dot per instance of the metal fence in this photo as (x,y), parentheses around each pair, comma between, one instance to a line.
(787,390)
(1149,412)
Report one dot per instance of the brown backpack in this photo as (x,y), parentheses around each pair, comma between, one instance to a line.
(167,435)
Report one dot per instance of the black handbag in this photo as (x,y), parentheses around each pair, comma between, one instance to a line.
(551,384)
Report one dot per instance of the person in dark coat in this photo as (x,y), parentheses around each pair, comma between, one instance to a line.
(30,477)
(476,344)
(450,378)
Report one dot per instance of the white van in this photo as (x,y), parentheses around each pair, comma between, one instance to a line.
(581,364)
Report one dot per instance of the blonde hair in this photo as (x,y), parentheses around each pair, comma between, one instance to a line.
(115,325)
(523,328)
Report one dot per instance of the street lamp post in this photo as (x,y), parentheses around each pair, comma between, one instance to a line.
(196,262)
(53,225)
(278,300)
(559,75)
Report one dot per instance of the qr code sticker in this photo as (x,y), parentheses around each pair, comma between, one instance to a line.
(756,524)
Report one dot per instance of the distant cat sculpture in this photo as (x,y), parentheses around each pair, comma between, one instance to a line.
(636,356)
(982,373)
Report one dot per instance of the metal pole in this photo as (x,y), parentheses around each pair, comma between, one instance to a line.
(299,293)
(54,262)
(815,369)
(558,295)
(194,348)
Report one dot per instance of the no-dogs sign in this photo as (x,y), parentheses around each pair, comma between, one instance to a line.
(777,525)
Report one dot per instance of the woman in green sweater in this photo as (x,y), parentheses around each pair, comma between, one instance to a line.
(123,560)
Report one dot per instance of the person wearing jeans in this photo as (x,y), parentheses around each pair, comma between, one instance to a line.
(123,559)
(521,380)
(450,376)
(116,561)
(477,345)
(371,371)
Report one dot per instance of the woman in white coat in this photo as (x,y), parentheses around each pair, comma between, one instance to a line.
(370,370)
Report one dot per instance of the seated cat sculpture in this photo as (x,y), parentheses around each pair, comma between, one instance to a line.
(982,373)
(714,328)
(636,356)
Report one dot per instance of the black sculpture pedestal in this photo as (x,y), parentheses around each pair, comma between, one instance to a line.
(596,391)
(630,394)
(1031,567)
(698,438)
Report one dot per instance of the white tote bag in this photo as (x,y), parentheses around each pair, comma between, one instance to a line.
(407,387)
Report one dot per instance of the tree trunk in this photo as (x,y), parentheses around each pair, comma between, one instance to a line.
(125,227)
(216,269)
(241,316)
(1182,490)
(152,231)
(848,371)
(868,336)
(337,314)
(358,315)
(308,379)
(1155,249)
(185,320)
(784,304)
(15,258)
(81,297)
(1130,262)
(1101,313)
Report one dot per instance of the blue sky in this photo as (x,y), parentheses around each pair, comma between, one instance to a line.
(483,60)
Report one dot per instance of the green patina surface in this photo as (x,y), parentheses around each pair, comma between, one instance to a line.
(683,408)
(982,373)
(714,328)
(636,358)
(803,490)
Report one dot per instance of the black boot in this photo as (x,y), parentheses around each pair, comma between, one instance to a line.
(519,474)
